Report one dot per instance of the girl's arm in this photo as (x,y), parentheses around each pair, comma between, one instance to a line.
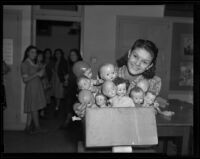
(27,78)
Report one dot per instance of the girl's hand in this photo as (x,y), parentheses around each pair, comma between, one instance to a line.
(41,72)
(79,109)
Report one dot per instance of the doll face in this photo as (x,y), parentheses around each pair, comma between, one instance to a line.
(149,98)
(138,97)
(84,83)
(121,89)
(100,100)
(108,72)
(109,89)
(143,84)
(88,73)
(86,97)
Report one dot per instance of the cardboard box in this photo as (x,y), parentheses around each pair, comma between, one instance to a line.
(120,126)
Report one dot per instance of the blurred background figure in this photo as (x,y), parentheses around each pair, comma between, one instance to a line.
(60,69)
(71,88)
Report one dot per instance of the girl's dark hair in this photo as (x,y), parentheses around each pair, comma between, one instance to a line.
(119,80)
(153,50)
(27,51)
(78,55)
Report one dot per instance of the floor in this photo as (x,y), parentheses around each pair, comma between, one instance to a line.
(55,140)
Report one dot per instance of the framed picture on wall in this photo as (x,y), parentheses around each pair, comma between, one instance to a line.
(186,74)
(187,46)
(181,77)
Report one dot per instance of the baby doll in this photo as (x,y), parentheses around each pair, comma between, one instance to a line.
(109,90)
(101,100)
(87,98)
(149,99)
(86,83)
(122,100)
(137,95)
(107,72)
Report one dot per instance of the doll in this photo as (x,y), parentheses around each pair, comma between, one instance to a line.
(109,90)
(101,100)
(107,72)
(122,99)
(149,99)
(86,83)
(87,98)
(137,95)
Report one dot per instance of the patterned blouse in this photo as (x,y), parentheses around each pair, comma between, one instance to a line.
(155,82)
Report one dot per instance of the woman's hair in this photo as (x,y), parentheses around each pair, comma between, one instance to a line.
(27,51)
(77,52)
(153,50)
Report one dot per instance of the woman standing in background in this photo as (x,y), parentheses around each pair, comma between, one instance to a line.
(34,99)
(71,88)
(60,69)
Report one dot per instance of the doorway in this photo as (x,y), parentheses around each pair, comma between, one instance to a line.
(54,34)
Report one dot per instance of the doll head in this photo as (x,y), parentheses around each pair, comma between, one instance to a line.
(109,89)
(143,84)
(88,72)
(137,95)
(84,83)
(108,72)
(121,85)
(100,100)
(149,98)
(86,97)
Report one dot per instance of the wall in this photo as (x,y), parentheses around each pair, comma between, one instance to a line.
(100,34)
(25,41)
(61,36)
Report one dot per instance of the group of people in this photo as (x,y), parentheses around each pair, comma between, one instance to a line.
(132,83)
(47,75)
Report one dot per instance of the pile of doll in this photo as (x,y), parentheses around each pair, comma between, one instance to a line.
(109,90)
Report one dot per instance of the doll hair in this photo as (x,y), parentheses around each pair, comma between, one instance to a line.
(100,94)
(119,80)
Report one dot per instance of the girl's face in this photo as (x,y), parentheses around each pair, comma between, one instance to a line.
(32,54)
(47,54)
(121,89)
(40,57)
(58,55)
(73,56)
(139,60)
(100,100)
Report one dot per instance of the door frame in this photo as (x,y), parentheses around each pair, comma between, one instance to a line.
(18,125)
(35,16)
